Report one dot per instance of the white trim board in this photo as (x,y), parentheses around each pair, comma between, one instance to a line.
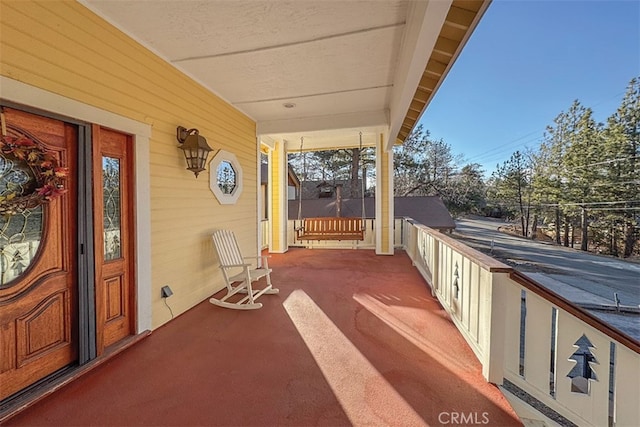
(21,93)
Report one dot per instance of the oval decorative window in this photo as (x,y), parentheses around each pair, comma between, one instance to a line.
(30,177)
(20,233)
(225,177)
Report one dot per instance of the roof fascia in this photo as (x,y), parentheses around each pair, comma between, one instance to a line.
(425,91)
(424,22)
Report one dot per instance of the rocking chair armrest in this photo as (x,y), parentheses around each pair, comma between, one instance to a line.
(265,259)
(237,265)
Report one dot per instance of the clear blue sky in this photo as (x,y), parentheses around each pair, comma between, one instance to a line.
(524,64)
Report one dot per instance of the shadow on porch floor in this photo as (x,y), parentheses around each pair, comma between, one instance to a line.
(352,339)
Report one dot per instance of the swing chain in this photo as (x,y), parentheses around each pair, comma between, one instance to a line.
(362,186)
(304,172)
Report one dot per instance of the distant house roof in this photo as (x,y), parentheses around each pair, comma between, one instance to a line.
(427,210)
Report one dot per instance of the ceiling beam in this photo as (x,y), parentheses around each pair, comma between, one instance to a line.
(321,123)
(290,44)
(342,141)
(267,141)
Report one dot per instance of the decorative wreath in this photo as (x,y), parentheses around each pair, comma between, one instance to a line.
(49,175)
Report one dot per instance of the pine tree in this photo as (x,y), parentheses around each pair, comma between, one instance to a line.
(512,182)
(466,191)
(548,171)
(411,164)
(622,138)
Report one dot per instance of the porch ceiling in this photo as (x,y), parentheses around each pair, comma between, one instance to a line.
(346,66)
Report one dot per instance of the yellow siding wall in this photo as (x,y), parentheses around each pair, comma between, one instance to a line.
(387,232)
(62,47)
(275,203)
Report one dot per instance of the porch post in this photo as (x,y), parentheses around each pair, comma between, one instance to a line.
(260,196)
(278,208)
(384,198)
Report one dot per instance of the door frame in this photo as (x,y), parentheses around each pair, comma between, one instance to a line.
(122,267)
(76,112)
(87,310)
(84,267)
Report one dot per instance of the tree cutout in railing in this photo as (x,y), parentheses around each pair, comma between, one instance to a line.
(456,276)
(582,372)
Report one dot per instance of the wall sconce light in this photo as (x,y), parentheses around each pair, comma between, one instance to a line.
(195,147)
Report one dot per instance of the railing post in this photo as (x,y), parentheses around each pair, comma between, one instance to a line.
(493,365)
(435,265)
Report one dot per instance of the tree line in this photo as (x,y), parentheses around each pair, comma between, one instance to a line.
(582,182)
(584,177)
(352,165)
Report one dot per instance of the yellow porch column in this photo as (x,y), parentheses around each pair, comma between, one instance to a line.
(384,199)
(278,198)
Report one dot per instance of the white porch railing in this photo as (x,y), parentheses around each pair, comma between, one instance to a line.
(569,366)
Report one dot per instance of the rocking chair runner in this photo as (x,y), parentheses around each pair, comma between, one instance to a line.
(230,259)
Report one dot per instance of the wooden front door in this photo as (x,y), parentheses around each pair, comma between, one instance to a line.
(113,214)
(38,280)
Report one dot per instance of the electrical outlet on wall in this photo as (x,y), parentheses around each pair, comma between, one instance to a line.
(166,291)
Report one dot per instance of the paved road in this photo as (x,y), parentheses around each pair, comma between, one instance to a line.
(598,275)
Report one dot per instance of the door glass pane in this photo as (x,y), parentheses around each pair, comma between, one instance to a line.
(111,207)
(21,229)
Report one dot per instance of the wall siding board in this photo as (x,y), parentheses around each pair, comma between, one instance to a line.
(112,46)
(64,48)
(58,75)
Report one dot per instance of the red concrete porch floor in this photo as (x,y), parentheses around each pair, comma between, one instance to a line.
(352,339)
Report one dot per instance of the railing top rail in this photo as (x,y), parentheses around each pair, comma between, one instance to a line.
(484,261)
(576,311)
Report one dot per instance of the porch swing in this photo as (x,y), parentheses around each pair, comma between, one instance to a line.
(329,228)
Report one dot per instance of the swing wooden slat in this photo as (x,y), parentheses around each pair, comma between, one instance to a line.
(331,228)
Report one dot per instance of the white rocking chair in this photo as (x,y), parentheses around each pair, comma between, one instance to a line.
(230,259)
